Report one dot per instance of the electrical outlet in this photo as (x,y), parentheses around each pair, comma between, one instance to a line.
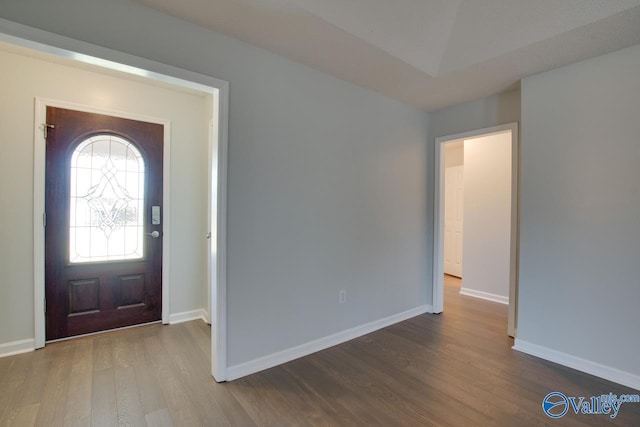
(342,296)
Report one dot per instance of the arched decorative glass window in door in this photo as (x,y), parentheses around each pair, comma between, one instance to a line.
(106,201)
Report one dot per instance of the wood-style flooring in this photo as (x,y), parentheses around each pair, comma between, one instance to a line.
(454,369)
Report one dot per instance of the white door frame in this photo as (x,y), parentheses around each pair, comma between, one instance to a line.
(217,235)
(438,218)
(43,41)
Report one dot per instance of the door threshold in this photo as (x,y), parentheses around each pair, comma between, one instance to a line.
(102,332)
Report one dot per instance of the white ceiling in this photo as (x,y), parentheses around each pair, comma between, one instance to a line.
(427,53)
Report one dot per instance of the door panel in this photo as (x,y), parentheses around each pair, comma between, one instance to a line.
(453,224)
(103,269)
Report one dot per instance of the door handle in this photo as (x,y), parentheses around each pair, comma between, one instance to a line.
(154,234)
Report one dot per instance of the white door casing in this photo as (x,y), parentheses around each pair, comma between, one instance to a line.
(438,215)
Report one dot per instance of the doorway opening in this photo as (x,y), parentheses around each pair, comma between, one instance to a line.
(88,56)
(476,217)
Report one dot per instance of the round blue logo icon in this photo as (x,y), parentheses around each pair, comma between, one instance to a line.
(555,404)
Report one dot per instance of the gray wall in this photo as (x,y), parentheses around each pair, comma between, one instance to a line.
(580,230)
(482,113)
(327,181)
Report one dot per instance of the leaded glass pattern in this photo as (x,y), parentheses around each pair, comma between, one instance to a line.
(106,201)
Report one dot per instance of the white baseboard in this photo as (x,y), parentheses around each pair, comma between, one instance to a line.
(607,372)
(187,316)
(284,356)
(17,347)
(484,295)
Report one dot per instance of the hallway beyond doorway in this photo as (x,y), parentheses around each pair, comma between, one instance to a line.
(452,281)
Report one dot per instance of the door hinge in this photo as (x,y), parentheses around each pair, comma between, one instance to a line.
(44,219)
(45,129)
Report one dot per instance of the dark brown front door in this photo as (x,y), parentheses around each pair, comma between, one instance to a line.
(103,235)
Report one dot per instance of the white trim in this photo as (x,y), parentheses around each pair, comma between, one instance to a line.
(603,371)
(218,295)
(187,316)
(166,222)
(212,214)
(484,295)
(284,356)
(43,41)
(438,228)
(39,161)
(17,347)
(512,313)
(438,217)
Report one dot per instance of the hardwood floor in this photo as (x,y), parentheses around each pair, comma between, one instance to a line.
(455,369)
(452,281)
